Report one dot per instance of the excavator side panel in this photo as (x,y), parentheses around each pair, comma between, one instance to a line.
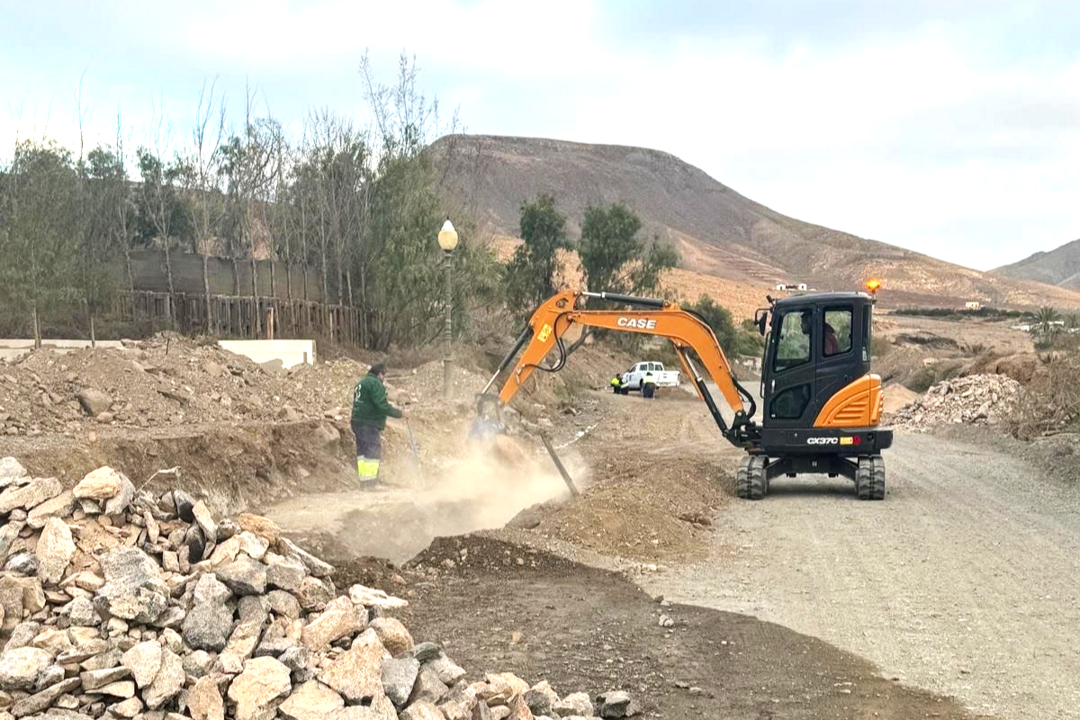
(856,405)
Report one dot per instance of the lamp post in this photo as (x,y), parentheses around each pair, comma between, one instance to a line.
(448,239)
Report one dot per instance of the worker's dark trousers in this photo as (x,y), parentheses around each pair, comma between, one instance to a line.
(615,389)
(368,451)
(647,391)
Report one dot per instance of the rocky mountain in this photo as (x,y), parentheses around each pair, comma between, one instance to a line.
(1058,267)
(721,235)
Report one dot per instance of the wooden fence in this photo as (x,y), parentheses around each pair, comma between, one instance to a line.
(241,316)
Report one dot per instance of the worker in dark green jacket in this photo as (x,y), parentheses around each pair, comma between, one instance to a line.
(369,412)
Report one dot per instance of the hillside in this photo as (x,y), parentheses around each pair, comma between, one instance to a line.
(1058,267)
(718,232)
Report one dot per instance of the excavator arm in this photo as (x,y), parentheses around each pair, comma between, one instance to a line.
(686,330)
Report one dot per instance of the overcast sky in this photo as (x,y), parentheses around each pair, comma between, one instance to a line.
(948,127)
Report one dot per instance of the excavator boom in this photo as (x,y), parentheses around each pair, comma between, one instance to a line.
(686,331)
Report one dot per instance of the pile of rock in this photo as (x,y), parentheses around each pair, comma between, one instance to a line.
(164,381)
(117,604)
(975,399)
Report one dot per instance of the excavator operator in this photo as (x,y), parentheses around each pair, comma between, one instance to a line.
(832,345)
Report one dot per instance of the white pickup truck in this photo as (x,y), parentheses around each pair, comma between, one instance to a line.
(635,376)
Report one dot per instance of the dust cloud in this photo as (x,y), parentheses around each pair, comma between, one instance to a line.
(499,479)
(481,486)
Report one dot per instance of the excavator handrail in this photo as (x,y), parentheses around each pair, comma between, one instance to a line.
(685,330)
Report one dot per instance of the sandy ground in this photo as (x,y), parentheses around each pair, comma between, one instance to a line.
(584,628)
(962,582)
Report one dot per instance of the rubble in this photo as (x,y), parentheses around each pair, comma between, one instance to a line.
(973,400)
(155,609)
(163,381)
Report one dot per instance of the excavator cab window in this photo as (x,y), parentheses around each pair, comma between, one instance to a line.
(793,345)
(866,333)
(836,339)
(790,404)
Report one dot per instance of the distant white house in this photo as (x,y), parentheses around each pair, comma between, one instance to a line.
(972,305)
(1026,327)
(801,287)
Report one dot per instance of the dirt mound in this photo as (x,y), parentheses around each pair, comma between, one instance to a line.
(650,503)
(236,468)
(172,381)
(165,381)
(424,385)
(1021,367)
(897,397)
(975,399)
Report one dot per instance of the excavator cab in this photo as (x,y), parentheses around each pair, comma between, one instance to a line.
(817,346)
(820,407)
(820,403)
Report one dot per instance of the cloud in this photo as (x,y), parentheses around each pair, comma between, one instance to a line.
(951,128)
(910,138)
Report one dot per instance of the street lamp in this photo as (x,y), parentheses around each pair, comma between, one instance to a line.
(448,239)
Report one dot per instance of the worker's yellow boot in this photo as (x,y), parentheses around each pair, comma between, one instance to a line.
(368,472)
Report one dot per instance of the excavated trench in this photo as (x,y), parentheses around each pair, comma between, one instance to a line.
(236,468)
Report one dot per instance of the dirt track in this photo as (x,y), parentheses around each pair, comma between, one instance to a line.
(963,582)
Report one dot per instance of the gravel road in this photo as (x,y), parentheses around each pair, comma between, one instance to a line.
(964,581)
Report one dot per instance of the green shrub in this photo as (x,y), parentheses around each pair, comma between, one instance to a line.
(880,347)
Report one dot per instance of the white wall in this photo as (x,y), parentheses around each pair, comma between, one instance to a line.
(15,349)
(289,352)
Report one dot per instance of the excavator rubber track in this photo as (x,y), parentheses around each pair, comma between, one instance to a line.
(870,478)
(751,482)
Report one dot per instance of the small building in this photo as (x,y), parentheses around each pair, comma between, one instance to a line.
(973,305)
(802,287)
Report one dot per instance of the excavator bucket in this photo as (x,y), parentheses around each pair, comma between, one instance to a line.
(489,433)
(488,421)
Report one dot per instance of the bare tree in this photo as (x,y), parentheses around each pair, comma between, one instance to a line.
(201,164)
(250,164)
(124,210)
(158,191)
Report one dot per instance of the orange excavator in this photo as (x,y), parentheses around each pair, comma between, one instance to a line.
(820,403)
